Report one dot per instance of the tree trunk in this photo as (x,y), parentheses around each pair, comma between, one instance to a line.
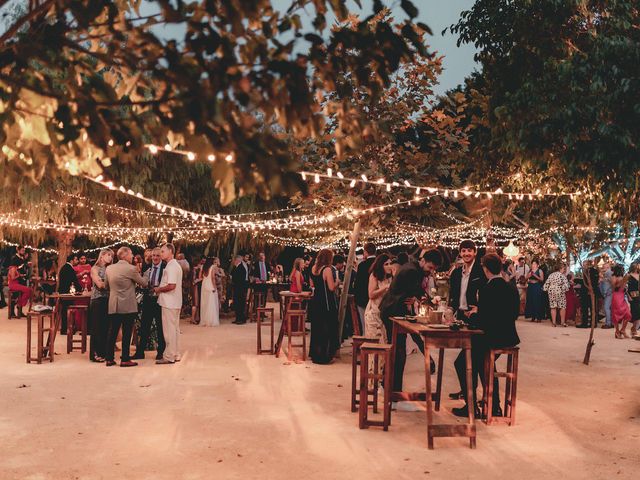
(586,279)
(347,280)
(63,240)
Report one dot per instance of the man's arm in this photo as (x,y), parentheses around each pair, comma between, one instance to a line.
(137,278)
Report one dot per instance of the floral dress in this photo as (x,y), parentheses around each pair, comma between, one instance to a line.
(557,286)
(373,326)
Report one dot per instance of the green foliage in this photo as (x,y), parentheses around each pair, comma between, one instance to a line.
(90,83)
(561,80)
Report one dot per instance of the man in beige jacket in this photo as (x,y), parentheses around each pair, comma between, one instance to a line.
(121,279)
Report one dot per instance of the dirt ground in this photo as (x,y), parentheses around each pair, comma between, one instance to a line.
(224,412)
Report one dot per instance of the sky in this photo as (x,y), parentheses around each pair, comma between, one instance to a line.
(438,14)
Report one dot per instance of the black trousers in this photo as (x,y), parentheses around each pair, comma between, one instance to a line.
(478,354)
(98,327)
(151,312)
(240,303)
(116,320)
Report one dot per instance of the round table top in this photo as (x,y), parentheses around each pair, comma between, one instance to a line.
(287,293)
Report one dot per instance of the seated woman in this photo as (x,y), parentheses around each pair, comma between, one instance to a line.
(14,278)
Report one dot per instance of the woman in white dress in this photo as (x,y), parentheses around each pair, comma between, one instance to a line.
(209,301)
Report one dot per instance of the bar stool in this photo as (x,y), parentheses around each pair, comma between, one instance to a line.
(14,295)
(294,320)
(269,315)
(357,341)
(40,352)
(379,351)
(77,316)
(510,394)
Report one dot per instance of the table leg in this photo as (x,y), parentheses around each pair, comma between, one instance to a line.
(429,400)
(470,397)
(281,333)
(439,378)
(391,366)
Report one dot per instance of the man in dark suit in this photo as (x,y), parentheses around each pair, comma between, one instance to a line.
(151,311)
(464,284)
(240,279)
(404,291)
(466,281)
(67,275)
(496,314)
(361,283)
(260,276)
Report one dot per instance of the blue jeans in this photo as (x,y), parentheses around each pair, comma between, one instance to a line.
(607,310)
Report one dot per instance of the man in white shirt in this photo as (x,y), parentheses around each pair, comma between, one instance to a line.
(170,299)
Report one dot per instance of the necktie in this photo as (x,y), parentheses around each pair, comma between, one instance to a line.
(263,273)
(153,276)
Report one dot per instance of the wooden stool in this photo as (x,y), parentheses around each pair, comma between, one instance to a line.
(14,295)
(378,351)
(40,352)
(294,320)
(266,312)
(357,341)
(355,317)
(77,315)
(256,300)
(510,393)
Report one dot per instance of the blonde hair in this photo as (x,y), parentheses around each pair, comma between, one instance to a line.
(103,252)
(297,265)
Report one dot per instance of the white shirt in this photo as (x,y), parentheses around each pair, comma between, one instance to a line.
(172,274)
(464,284)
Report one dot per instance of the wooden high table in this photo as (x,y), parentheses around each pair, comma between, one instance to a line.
(288,298)
(62,298)
(441,339)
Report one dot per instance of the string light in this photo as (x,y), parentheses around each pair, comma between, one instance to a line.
(445,192)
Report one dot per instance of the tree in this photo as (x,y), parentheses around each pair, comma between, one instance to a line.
(90,84)
(562,85)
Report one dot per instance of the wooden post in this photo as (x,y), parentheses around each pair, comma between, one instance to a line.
(342,309)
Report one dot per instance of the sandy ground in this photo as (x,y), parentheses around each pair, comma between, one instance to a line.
(224,412)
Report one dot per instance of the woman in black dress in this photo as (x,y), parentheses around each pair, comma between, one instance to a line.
(323,310)
(633,287)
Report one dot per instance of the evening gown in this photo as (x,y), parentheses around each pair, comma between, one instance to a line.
(209,302)
(535,302)
(620,310)
(323,314)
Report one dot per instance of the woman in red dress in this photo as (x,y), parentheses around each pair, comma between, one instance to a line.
(296,277)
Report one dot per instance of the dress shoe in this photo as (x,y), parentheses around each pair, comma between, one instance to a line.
(159,356)
(128,364)
(464,411)
(138,356)
(164,362)
(456,396)
(110,363)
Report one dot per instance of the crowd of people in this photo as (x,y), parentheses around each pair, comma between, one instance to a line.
(153,289)
(549,291)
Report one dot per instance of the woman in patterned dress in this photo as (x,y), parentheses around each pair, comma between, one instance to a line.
(379,281)
(557,286)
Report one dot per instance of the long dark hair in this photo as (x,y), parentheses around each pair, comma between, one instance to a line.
(207,266)
(377,268)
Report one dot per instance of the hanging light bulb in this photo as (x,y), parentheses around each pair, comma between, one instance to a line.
(511,250)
